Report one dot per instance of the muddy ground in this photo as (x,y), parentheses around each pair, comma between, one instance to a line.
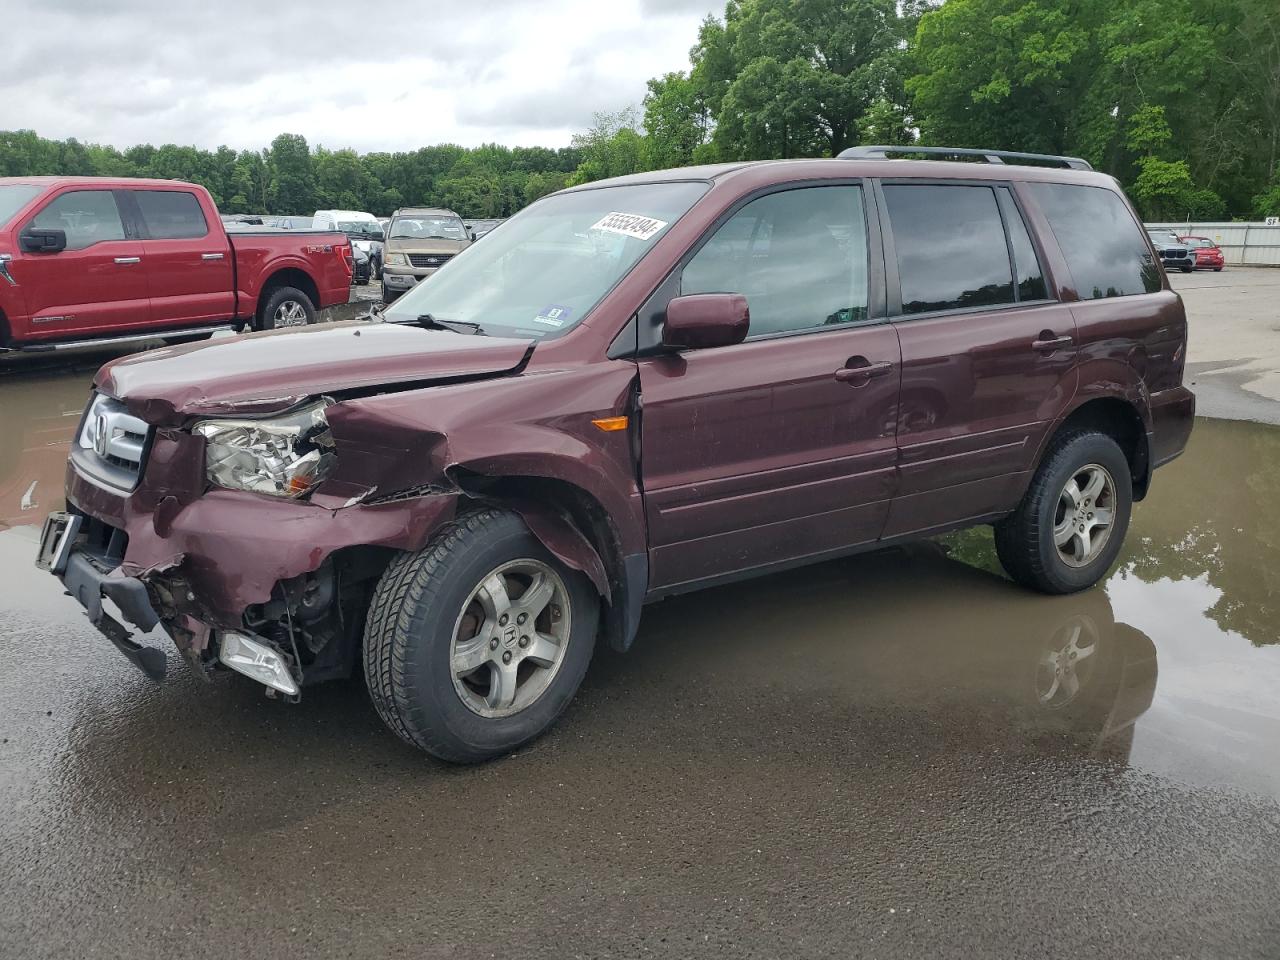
(901,754)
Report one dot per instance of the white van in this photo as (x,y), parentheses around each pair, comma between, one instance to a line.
(363,229)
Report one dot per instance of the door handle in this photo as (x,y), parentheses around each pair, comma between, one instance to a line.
(210,256)
(862,373)
(1048,342)
(128,259)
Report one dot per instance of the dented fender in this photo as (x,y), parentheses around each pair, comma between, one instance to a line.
(566,542)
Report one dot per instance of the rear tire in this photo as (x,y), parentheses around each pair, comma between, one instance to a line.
(285,307)
(1061,504)
(439,633)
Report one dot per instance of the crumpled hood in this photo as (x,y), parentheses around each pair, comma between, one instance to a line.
(265,372)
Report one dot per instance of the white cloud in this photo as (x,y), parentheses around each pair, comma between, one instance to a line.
(378,76)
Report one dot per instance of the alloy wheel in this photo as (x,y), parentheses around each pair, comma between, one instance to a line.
(290,313)
(509,641)
(1085,514)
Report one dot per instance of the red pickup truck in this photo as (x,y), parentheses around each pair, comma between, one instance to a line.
(99,259)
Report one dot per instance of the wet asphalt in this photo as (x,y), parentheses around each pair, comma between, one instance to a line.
(897,755)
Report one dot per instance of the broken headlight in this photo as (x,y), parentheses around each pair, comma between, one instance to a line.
(283,457)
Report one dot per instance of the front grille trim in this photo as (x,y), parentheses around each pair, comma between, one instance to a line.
(429,259)
(118,460)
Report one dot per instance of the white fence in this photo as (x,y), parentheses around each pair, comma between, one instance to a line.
(1243,244)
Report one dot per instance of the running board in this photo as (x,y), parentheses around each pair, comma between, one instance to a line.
(111,341)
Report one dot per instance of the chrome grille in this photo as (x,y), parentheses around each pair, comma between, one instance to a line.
(112,443)
(429,259)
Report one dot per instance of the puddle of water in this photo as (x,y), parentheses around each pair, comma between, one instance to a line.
(1171,667)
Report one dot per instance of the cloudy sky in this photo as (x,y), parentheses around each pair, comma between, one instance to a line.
(382,75)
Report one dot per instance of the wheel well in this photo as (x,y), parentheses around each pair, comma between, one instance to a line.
(587,514)
(289,277)
(1120,421)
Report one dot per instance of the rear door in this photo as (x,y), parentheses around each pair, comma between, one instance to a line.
(186,260)
(96,284)
(782,447)
(988,357)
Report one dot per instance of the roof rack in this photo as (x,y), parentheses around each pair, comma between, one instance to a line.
(991,156)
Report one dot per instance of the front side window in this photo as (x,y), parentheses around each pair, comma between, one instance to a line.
(88,217)
(550,264)
(1100,240)
(950,246)
(799,257)
(171,214)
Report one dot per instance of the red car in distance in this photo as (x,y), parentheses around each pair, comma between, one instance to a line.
(1207,254)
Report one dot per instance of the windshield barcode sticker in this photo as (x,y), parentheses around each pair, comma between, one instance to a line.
(630,225)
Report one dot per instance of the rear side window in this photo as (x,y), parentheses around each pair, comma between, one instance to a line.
(88,217)
(799,257)
(1100,240)
(950,246)
(171,214)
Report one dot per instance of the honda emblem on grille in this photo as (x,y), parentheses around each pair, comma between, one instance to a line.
(101,434)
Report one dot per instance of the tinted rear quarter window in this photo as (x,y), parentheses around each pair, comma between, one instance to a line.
(950,246)
(171,214)
(1102,243)
(1030,277)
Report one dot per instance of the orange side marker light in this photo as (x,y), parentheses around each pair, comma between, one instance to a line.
(610,424)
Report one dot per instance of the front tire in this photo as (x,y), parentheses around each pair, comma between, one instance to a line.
(1070,525)
(475,644)
(286,307)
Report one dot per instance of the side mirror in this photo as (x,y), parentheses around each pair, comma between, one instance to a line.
(703,320)
(43,241)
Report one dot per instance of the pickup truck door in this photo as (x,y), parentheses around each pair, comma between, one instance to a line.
(187,258)
(780,448)
(96,285)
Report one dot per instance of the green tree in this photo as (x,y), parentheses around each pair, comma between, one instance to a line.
(786,78)
(292,184)
(612,147)
(677,120)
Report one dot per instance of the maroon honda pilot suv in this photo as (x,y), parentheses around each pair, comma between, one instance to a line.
(633,389)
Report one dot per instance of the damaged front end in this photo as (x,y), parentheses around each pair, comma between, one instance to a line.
(243,538)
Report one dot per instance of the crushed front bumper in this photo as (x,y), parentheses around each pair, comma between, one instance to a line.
(195,565)
(93,576)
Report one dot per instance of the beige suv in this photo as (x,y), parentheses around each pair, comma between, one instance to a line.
(420,240)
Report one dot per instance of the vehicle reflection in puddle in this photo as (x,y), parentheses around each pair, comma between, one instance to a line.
(1169,668)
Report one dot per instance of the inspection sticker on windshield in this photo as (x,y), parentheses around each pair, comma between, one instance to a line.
(553,316)
(629,225)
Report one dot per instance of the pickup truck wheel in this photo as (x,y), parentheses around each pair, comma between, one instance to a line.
(475,644)
(1071,523)
(286,307)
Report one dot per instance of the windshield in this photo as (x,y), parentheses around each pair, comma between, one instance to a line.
(13,198)
(427,228)
(549,265)
(363,228)
(1163,236)
(1198,242)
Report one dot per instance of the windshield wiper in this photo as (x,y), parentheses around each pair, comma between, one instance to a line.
(431,323)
